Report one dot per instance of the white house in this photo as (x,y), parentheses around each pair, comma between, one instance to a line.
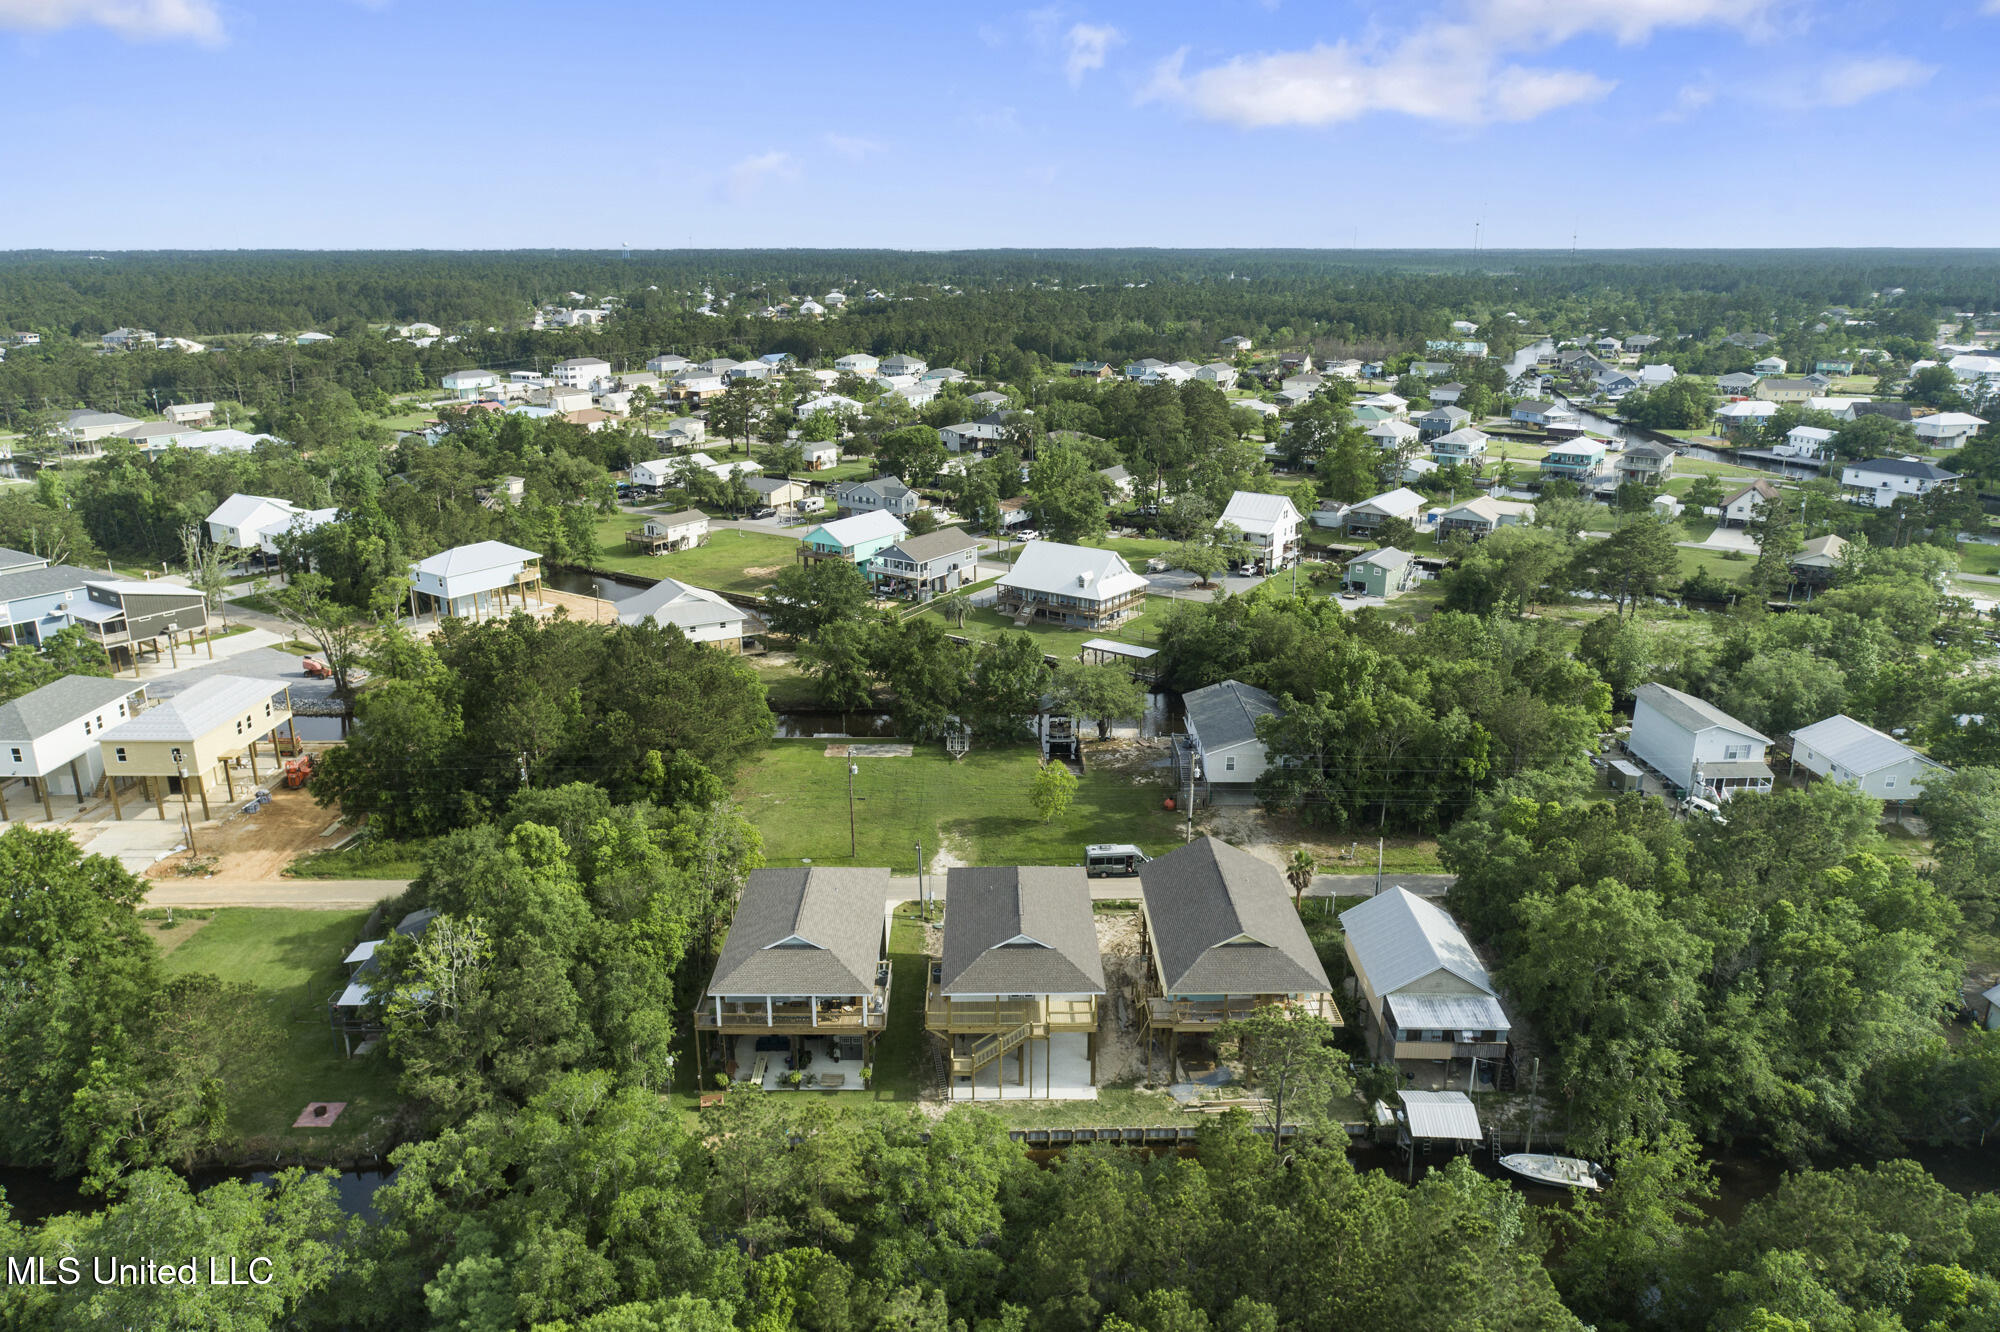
(829,402)
(704,616)
(1269,523)
(1392,433)
(1748,412)
(1880,482)
(469,580)
(1402,502)
(1742,506)
(245,522)
(1841,749)
(581,372)
(1804,442)
(857,363)
(1118,480)
(1698,748)
(1219,373)
(667,364)
(819,454)
(1947,430)
(654,472)
(1222,729)
(1460,446)
(466,385)
(52,733)
(1070,585)
(988,429)
(192,414)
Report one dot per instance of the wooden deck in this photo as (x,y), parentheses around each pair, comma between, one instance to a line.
(946,1015)
(1199,1014)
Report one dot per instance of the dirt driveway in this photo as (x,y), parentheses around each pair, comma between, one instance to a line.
(255,848)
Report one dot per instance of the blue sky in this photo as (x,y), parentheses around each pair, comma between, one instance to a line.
(435,123)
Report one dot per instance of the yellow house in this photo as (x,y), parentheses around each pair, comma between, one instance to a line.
(195,736)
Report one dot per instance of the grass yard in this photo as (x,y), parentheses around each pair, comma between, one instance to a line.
(368,858)
(725,564)
(1717,562)
(975,807)
(292,959)
(1978,559)
(786,687)
(1057,640)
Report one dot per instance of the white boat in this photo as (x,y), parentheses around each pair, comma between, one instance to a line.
(1562,1172)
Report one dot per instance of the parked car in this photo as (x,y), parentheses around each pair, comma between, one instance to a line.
(764,512)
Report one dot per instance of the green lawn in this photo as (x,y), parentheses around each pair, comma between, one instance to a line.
(979,805)
(1717,562)
(1975,558)
(1055,639)
(293,960)
(724,564)
(368,858)
(786,687)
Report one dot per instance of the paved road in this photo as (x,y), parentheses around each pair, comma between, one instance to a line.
(1363,885)
(305,894)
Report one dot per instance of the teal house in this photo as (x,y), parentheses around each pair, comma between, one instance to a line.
(1382,573)
(857,539)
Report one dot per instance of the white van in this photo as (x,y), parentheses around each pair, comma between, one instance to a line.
(1112,860)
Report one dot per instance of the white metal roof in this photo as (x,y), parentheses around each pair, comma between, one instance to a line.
(1859,749)
(1441,1115)
(1689,713)
(475,558)
(1252,512)
(1397,503)
(1449,1012)
(1398,937)
(206,705)
(1051,566)
(362,951)
(860,527)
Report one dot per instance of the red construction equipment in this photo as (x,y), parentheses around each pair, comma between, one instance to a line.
(298,771)
(316,669)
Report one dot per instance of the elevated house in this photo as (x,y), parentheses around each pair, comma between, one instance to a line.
(1463,447)
(777,492)
(1541,412)
(1402,502)
(1117,481)
(1221,738)
(1014,995)
(182,744)
(664,533)
(484,578)
(1384,573)
(468,385)
(803,981)
(1841,749)
(1695,746)
(1818,561)
(1879,482)
(1947,430)
(820,454)
(1576,460)
(581,372)
(1737,385)
(1805,442)
(1645,463)
(256,522)
(925,566)
(1741,506)
(856,539)
(1427,1002)
(51,733)
(885,494)
(703,616)
(129,618)
(1070,585)
(1442,420)
(1270,525)
(356,1013)
(1221,940)
(973,436)
(1482,516)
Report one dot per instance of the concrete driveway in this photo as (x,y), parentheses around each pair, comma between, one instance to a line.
(1725,538)
(1181,584)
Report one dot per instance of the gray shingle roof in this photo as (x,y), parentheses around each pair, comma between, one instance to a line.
(932,545)
(1221,715)
(1223,923)
(12,560)
(1026,930)
(60,702)
(804,931)
(43,582)
(1910,467)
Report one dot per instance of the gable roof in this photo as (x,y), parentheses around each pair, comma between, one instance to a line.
(1855,747)
(1254,512)
(1026,930)
(1221,715)
(42,582)
(1690,713)
(1895,411)
(1223,923)
(814,930)
(1646,448)
(60,702)
(671,601)
(199,709)
(1393,503)
(1388,557)
(1829,548)
(1910,467)
(1398,937)
(1760,487)
(1051,566)
(682,518)
(857,528)
(932,545)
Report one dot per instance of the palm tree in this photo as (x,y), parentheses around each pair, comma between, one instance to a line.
(955,604)
(1300,872)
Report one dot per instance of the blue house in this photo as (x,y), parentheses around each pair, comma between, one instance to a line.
(1575,461)
(857,539)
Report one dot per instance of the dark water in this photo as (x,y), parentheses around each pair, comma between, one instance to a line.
(321,728)
(585,584)
(1164,714)
(35,1195)
(855,725)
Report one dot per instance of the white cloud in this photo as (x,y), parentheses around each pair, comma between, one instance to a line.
(1451,67)
(1691,98)
(749,175)
(851,146)
(140,20)
(1846,82)
(1990,7)
(1084,48)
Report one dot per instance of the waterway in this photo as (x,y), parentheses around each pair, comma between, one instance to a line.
(35,1195)
(583,583)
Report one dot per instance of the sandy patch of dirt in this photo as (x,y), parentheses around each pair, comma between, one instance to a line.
(1129,756)
(762,570)
(1121,1051)
(255,848)
(170,937)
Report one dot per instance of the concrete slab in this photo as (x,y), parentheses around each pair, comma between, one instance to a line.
(136,843)
(1060,1072)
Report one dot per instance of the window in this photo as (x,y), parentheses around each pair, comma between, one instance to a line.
(119,753)
(86,726)
(1890,783)
(16,753)
(1434,1037)
(1229,763)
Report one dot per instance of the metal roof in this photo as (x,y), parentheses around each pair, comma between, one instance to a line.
(475,558)
(1118,649)
(1223,923)
(1910,467)
(856,528)
(1254,512)
(1859,749)
(1449,1012)
(1026,930)
(1386,558)
(1690,713)
(1221,715)
(815,930)
(671,601)
(1398,937)
(1052,567)
(60,702)
(205,705)
(1441,1115)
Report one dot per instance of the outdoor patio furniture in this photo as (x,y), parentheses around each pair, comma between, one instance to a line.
(831,1080)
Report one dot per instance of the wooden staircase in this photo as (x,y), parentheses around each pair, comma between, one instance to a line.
(989,1049)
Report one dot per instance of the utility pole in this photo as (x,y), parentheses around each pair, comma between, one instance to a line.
(1378,867)
(187,821)
(1194,771)
(852,770)
(923,894)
